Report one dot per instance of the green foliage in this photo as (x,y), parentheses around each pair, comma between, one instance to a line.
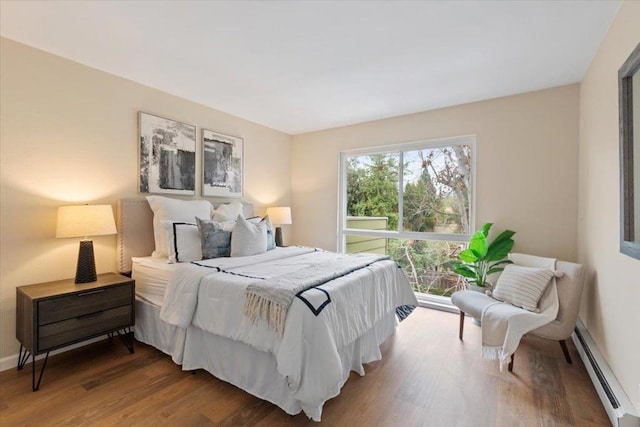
(373,190)
(421,203)
(482,258)
(425,264)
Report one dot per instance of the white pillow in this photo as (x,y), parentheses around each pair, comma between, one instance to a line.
(271,231)
(183,241)
(227,211)
(522,286)
(166,209)
(247,238)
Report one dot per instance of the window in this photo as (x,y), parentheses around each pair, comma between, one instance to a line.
(413,202)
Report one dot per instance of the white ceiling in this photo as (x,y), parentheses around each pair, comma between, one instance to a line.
(310,65)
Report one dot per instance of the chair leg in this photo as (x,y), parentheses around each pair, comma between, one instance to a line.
(510,366)
(461,328)
(565,350)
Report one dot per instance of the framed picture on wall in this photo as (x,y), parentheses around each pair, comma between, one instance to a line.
(167,156)
(221,164)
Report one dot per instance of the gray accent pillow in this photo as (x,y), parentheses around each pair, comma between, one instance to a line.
(247,238)
(214,239)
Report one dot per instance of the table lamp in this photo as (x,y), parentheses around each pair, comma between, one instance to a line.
(279,216)
(85,221)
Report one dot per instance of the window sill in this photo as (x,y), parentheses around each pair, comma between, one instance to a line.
(436,302)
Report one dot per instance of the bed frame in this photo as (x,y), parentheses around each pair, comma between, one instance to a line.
(135,239)
(252,370)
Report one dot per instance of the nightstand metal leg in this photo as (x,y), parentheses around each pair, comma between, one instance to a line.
(34,386)
(23,357)
(127,339)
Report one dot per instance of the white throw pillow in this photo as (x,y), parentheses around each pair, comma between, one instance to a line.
(271,232)
(167,209)
(227,211)
(522,286)
(247,238)
(183,241)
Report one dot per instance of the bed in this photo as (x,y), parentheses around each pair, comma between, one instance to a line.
(198,313)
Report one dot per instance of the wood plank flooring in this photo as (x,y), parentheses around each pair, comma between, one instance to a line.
(427,377)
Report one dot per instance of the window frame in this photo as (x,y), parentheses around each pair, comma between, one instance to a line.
(400,148)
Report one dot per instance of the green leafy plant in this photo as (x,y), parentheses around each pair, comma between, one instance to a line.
(482,258)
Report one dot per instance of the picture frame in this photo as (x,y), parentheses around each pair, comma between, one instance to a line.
(167,155)
(629,105)
(222,165)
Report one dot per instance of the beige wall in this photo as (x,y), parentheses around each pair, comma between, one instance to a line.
(526,170)
(611,304)
(68,136)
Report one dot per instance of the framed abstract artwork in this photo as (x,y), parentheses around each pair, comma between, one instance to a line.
(221,165)
(167,156)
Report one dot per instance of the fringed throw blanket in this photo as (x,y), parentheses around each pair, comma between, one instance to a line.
(504,325)
(270,299)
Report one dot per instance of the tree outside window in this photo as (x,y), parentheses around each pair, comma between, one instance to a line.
(413,202)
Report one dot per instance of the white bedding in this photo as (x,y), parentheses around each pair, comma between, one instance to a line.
(310,354)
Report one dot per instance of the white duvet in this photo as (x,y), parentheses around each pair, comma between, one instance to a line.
(210,296)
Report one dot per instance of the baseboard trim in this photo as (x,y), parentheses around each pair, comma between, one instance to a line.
(617,404)
(11,362)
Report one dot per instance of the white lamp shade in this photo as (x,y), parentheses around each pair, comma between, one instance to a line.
(279,215)
(85,220)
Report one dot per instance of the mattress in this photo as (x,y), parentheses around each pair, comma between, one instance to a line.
(152,276)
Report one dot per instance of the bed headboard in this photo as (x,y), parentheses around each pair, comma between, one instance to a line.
(134,219)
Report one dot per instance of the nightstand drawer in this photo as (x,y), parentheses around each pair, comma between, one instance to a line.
(74,305)
(86,326)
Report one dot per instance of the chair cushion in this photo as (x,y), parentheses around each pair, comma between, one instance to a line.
(471,302)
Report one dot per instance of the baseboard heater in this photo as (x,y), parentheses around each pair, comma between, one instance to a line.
(621,411)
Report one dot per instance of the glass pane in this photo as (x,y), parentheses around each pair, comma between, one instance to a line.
(437,190)
(423,261)
(372,191)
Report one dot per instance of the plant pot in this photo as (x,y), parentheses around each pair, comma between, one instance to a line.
(481,289)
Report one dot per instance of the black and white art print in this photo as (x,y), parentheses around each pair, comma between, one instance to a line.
(167,156)
(221,164)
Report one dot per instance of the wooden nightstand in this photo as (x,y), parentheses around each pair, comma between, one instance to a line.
(56,314)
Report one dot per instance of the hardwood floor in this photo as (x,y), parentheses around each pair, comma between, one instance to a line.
(427,377)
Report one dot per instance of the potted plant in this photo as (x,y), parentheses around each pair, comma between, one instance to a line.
(482,258)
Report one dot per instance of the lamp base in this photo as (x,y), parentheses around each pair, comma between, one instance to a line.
(279,237)
(86,268)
